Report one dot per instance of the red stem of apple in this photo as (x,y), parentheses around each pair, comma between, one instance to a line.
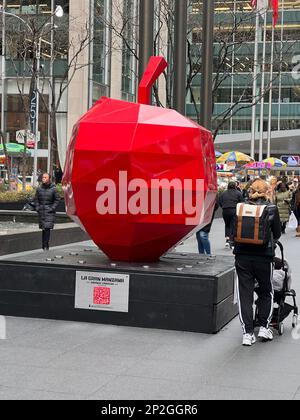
(155,68)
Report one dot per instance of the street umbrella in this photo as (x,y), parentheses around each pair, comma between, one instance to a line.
(275,163)
(218,154)
(237,157)
(13,149)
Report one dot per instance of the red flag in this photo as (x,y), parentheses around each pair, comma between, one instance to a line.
(273,3)
(275,6)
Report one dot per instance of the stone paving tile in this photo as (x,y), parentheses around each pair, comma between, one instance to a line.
(249,377)
(213,352)
(154,335)
(268,357)
(26,356)
(18,327)
(135,388)
(60,337)
(92,363)
(117,347)
(169,370)
(297,395)
(64,381)
(13,375)
(209,392)
(8,394)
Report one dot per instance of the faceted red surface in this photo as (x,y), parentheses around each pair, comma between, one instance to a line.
(148,143)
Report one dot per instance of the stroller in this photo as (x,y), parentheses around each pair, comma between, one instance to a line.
(282,290)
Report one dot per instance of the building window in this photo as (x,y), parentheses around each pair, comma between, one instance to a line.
(101,47)
(129,65)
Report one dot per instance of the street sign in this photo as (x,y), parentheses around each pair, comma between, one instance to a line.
(291,160)
(20,138)
(258,165)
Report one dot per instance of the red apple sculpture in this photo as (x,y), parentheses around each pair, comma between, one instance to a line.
(139,178)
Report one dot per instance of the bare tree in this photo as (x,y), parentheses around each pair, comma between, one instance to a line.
(234,38)
(2,140)
(55,46)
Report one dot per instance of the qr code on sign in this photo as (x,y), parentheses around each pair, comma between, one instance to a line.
(101,296)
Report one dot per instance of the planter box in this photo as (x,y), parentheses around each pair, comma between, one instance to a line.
(18,205)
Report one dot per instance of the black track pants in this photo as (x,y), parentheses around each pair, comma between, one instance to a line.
(229,219)
(250,271)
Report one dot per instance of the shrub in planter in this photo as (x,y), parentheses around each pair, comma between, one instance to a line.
(15,196)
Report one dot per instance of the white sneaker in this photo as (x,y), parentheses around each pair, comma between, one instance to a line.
(248,340)
(227,245)
(265,334)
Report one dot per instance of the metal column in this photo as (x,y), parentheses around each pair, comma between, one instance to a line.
(146,34)
(180,62)
(3,72)
(207,63)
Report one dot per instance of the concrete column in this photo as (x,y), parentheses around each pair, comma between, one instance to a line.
(3,75)
(146,35)
(116,51)
(207,63)
(180,55)
(78,88)
(163,51)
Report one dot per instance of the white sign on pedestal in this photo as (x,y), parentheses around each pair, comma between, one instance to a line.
(102,291)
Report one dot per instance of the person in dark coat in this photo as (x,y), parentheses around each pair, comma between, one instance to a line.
(296,208)
(46,202)
(58,175)
(229,201)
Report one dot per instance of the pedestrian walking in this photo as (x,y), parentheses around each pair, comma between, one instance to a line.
(296,209)
(283,202)
(245,191)
(254,260)
(228,202)
(46,202)
(202,235)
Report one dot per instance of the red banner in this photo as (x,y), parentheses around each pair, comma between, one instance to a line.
(275,7)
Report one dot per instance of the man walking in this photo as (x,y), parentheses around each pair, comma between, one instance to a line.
(228,202)
(46,202)
(254,263)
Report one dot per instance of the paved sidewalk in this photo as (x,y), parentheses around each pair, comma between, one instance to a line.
(66,360)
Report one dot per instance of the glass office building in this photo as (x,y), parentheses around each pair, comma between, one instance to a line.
(234,66)
(233,60)
(111,65)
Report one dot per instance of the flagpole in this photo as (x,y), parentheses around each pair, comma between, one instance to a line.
(254,94)
(271,94)
(262,102)
(280,66)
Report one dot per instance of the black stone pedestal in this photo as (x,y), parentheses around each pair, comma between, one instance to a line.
(184,292)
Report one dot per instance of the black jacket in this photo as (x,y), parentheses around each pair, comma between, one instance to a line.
(230,199)
(265,253)
(46,202)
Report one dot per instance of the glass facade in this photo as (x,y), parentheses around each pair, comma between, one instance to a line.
(100,49)
(129,50)
(26,25)
(114,43)
(234,65)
